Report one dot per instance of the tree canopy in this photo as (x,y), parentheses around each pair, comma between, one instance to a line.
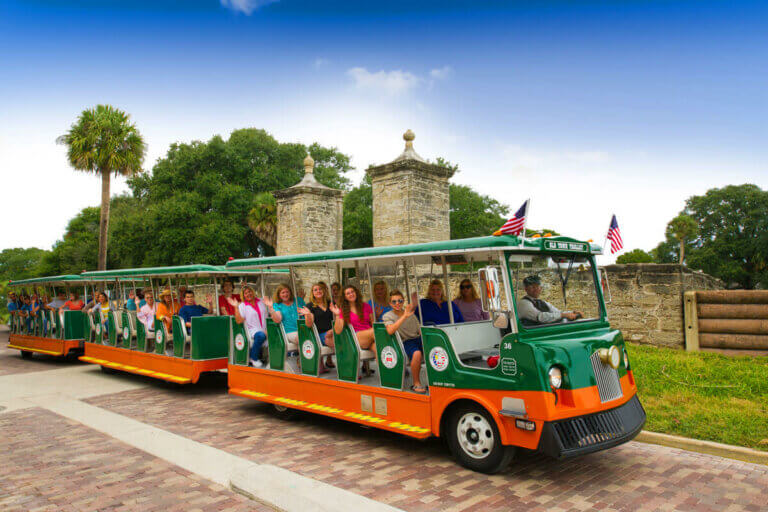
(635,256)
(731,239)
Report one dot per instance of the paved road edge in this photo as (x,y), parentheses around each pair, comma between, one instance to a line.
(709,447)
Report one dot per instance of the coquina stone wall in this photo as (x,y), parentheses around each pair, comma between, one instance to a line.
(647,300)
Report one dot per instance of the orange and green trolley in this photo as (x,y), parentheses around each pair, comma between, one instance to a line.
(53,332)
(180,354)
(496,386)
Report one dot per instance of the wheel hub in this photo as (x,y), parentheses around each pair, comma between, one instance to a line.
(475,435)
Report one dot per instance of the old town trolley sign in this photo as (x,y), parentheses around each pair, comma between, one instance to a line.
(496,386)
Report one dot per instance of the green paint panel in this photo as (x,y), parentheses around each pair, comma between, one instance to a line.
(178,336)
(389,354)
(347,355)
(74,325)
(141,337)
(210,337)
(112,328)
(311,365)
(241,354)
(126,332)
(159,337)
(277,351)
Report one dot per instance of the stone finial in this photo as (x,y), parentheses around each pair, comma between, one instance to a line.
(409,153)
(309,164)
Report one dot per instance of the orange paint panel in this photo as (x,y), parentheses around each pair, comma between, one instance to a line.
(174,369)
(43,345)
(406,413)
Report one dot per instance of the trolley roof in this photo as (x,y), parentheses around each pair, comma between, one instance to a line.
(182,270)
(475,248)
(48,280)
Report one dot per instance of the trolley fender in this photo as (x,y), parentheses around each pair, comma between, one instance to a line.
(446,397)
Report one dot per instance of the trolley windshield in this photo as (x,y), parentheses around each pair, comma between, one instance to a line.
(552,290)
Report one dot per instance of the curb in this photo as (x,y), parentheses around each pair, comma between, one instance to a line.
(708,447)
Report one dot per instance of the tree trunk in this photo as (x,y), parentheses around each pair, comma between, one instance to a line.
(104,220)
(682,251)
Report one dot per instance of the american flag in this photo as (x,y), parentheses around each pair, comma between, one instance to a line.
(516,224)
(614,235)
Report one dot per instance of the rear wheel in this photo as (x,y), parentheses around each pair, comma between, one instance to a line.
(284,413)
(26,354)
(474,440)
(108,370)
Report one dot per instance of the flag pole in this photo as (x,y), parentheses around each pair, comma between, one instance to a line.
(527,213)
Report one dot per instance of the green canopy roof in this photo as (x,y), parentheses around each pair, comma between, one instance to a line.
(48,280)
(479,245)
(182,270)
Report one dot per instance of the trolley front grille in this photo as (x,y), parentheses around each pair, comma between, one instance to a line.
(597,428)
(607,378)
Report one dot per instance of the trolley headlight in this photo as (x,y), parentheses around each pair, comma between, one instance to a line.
(555,377)
(610,356)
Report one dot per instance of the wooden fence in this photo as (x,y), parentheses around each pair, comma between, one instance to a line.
(726,319)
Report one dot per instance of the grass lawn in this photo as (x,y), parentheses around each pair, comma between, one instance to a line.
(703,395)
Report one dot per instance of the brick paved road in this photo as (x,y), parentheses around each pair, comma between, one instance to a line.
(416,475)
(51,463)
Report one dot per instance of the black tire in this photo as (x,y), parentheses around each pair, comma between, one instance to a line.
(26,354)
(284,413)
(108,370)
(474,440)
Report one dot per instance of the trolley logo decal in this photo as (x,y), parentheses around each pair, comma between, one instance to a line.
(308,349)
(239,342)
(126,332)
(438,358)
(98,328)
(509,366)
(389,357)
(159,336)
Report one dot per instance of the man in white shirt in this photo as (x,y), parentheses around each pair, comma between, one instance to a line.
(534,311)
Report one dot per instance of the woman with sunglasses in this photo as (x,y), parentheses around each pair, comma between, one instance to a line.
(469,303)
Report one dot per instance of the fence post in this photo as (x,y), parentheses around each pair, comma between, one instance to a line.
(691,318)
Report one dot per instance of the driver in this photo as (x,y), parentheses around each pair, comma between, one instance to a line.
(533,310)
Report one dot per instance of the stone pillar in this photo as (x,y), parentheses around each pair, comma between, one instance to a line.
(309,216)
(410,199)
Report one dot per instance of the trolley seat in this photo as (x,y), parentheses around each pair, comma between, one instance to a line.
(349,355)
(279,346)
(129,321)
(182,337)
(311,349)
(163,338)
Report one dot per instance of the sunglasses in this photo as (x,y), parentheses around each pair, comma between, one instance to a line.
(397,301)
(465,286)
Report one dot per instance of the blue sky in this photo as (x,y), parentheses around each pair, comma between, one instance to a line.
(589,108)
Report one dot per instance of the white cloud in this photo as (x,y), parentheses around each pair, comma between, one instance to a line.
(320,62)
(441,73)
(389,82)
(246,6)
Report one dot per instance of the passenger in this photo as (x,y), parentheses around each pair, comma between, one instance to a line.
(401,320)
(13,305)
(75,303)
(380,300)
(146,313)
(225,307)
(434,308)
(469,303)
(336,293)
(358,315)
(34,308)
(322,317)
(190,309)
(59,301)
(167,308)
(533,310)
(103,307)
(253,313)
(283,308)
(132,304)
(25,312)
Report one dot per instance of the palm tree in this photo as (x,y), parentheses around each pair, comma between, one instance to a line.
(684,228)
(103,141)
(262,219)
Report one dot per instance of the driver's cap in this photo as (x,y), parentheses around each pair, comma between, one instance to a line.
(534,279)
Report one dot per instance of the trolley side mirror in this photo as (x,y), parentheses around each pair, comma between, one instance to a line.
(489,288)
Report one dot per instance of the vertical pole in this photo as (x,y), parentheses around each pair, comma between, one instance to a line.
(407,283)
(418,299)
(370,285)
(691,321)
(216,295)
(447,289)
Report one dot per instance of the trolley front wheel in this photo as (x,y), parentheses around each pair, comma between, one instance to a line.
(284,413)
(474,440)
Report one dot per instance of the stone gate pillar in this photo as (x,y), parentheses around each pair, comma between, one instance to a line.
(410,199)
(309,216)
